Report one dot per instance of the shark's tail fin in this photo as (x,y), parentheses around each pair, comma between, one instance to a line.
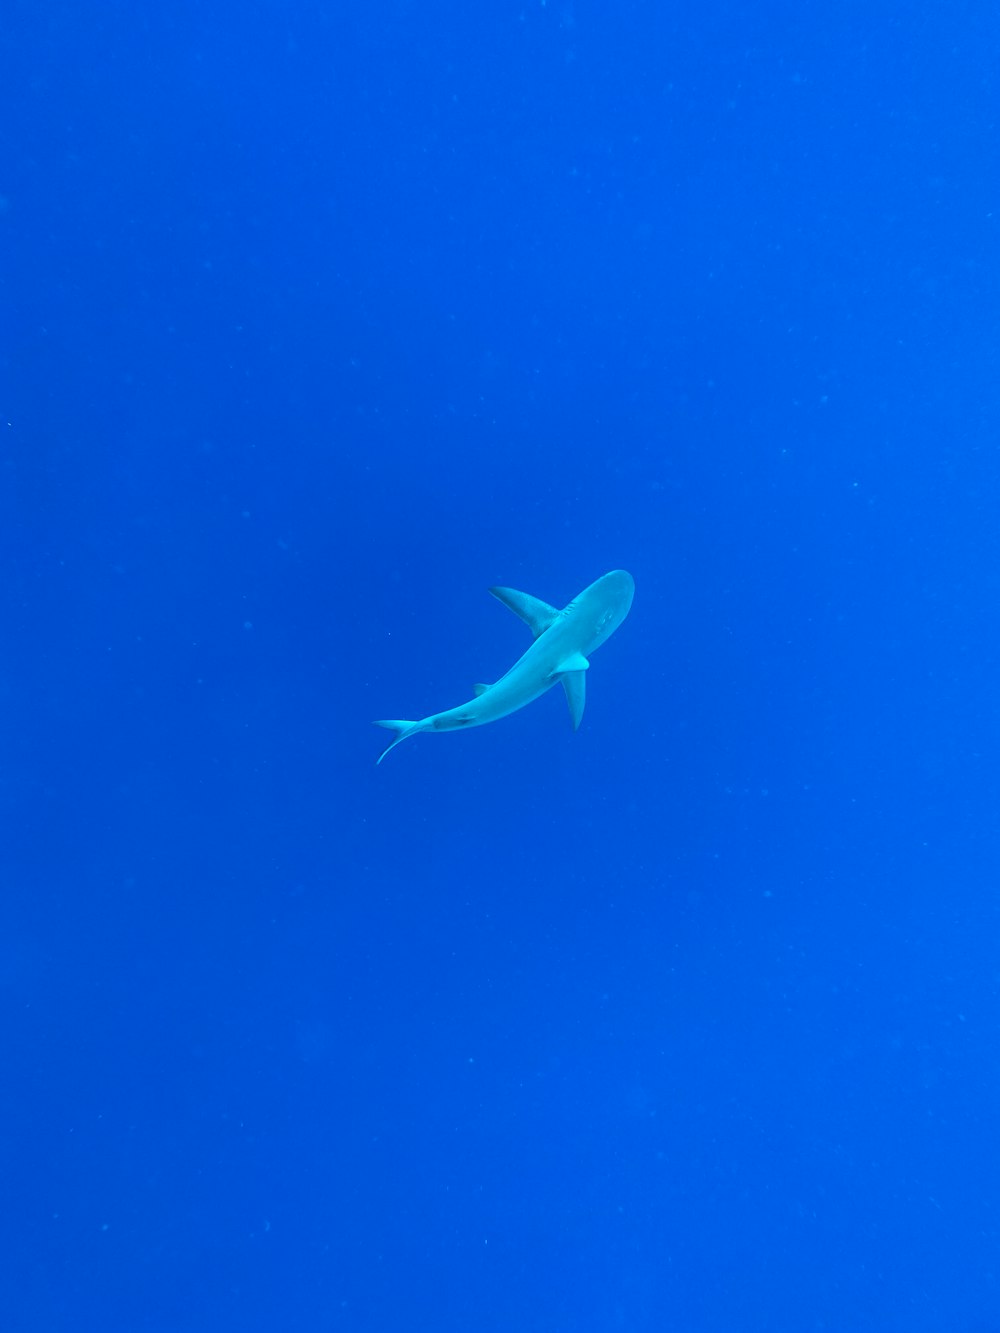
(401,727)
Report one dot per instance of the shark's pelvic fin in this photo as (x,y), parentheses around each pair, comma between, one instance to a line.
(536,614)
(575,662)
(479,689)
(575,685)
(402,727)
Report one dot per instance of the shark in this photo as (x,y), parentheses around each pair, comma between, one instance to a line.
(563,642)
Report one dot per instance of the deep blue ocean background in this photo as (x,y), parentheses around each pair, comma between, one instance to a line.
(316,320)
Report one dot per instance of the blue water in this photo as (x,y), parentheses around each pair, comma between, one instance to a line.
(316,321)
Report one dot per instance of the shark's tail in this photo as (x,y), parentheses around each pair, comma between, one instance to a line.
(401,727)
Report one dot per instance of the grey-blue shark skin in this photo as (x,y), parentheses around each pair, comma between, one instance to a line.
(563,643)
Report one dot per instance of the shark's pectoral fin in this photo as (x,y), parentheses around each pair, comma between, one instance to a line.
(573,674)
(536,614)
(575,685)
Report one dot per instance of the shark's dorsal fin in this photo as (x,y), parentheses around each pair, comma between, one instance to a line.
(536,614)
(575,685)
(479,689)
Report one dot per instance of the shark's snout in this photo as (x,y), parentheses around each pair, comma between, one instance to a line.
(615,593)
(621,585)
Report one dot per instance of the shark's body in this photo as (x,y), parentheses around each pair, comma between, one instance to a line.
(563,642)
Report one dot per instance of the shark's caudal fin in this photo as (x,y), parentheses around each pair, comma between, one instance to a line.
(401,727)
